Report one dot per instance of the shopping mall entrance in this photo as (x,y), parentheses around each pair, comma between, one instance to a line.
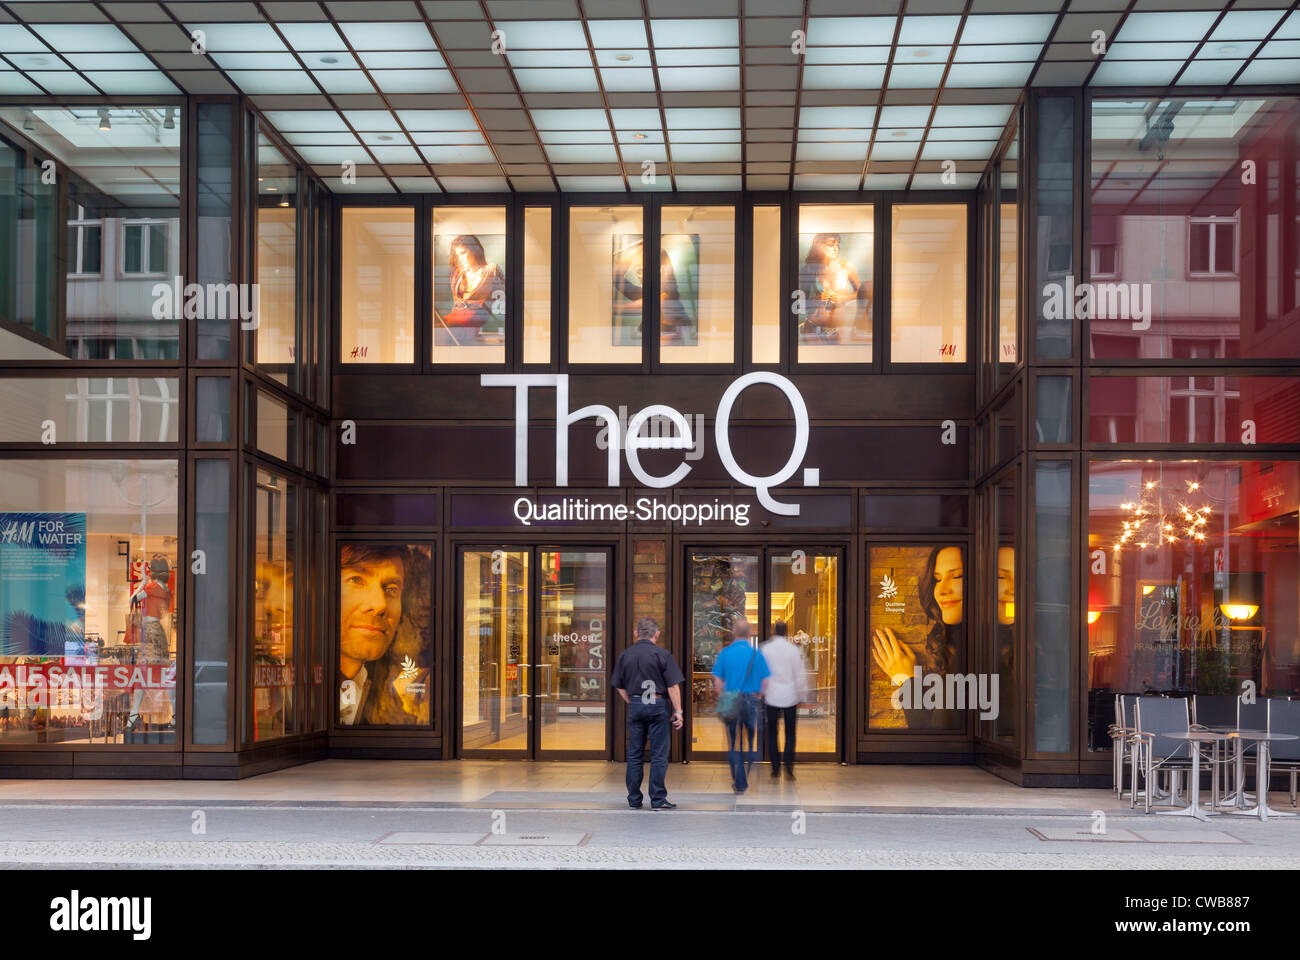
(800,586)
(533,646)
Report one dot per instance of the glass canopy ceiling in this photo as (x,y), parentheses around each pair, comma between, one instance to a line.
(587,94)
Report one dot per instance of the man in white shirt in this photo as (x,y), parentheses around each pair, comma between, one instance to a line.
(786,689)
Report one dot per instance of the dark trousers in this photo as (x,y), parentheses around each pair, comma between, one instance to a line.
(791,715)
(741,733)
(647,719)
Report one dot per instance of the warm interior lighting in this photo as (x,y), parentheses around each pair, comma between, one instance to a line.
(1009,611)
(1239,611)
(1093,616)
(1148,588)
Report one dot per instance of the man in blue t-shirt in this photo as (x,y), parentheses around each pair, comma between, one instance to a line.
(740,667)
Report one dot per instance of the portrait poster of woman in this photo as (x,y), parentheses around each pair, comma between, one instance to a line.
(679,269)
(469,289)
(835,275)
(916,619)
(385,655)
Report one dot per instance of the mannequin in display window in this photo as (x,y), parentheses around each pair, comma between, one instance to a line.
(153,599)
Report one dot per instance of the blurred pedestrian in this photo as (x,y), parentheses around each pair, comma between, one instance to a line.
(787,687)
(739,676)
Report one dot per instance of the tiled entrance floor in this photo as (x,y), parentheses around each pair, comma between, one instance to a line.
(588,785)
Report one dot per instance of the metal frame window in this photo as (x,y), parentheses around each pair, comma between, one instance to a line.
(153,253)
(1214,236)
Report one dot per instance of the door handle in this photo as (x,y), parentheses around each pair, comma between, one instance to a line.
(543,686)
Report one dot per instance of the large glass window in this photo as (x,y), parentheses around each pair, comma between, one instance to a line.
(927,291)
(804,594)
(697,284)
(89,618)
(495,682)
(724,588)
(1052,591)
(89,409)
(377,285)
(277,263)
(275,550)
(606,311)
(768,301)
(836,256)
(537,285)
(1192,578)
(1008,258)
(1053,232)
(1003,661)
(469,285)
(1194,228)
(1194,409)
(212,607)
(110,252)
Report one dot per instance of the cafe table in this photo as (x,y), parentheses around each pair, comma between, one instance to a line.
(1195,739)
(1261,738)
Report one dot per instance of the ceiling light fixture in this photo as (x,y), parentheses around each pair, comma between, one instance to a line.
(169,119)
(1239,611)
(329,59)
(40,61)
(29,120)
(284,202)
(105,122)
(1228,49)
(624,57)
(899,133)
(920,53)
(639,136)
(385,137)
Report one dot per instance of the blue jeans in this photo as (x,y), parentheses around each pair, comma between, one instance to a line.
(647,719)
(741,734)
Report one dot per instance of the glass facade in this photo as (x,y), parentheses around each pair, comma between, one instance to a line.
(90,232)
(193,502)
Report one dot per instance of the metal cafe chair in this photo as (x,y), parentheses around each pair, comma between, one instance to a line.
(1218,711)
(1121,738)
(1284,717)
(1154,752)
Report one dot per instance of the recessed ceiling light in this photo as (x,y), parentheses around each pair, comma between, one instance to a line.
(625,57)
(385,136)
(920,53)
(270,189)
(639,136)
(284,202)
(329,59)
(899,133)
(39,61)
(1228,48)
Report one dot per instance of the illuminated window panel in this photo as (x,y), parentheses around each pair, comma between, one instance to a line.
(605,284)
(697,284)
(927,298)
(537,285)
(469,285)
(836,258)
(377,285)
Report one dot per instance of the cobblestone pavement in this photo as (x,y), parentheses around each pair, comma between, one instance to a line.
(337,835)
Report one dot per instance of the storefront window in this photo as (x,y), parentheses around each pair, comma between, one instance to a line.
(571,670)
(469,285)
(697,284)
(120,228)
(275,549)
(377,285)
(277,428)
(277,263)
(606,312)
(1192,578)
(385,619)
(495,694)
(768,301)
(537,285)
(836,258)
(916,626)
(212,607)
(1052,591)
(927,292)
(89,617)
(1003,661)
(1193,227)
(213,198)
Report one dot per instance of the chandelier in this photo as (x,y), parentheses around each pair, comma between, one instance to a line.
(1148,525)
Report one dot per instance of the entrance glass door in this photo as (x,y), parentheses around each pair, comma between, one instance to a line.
(534,635)
(496,699)
(800,588)
(572,696)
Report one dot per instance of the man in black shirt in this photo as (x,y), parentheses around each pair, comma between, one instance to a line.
(648,672)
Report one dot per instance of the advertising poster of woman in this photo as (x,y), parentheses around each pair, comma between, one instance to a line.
(835,278)
(470,288)
(916,620)
(678,289)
